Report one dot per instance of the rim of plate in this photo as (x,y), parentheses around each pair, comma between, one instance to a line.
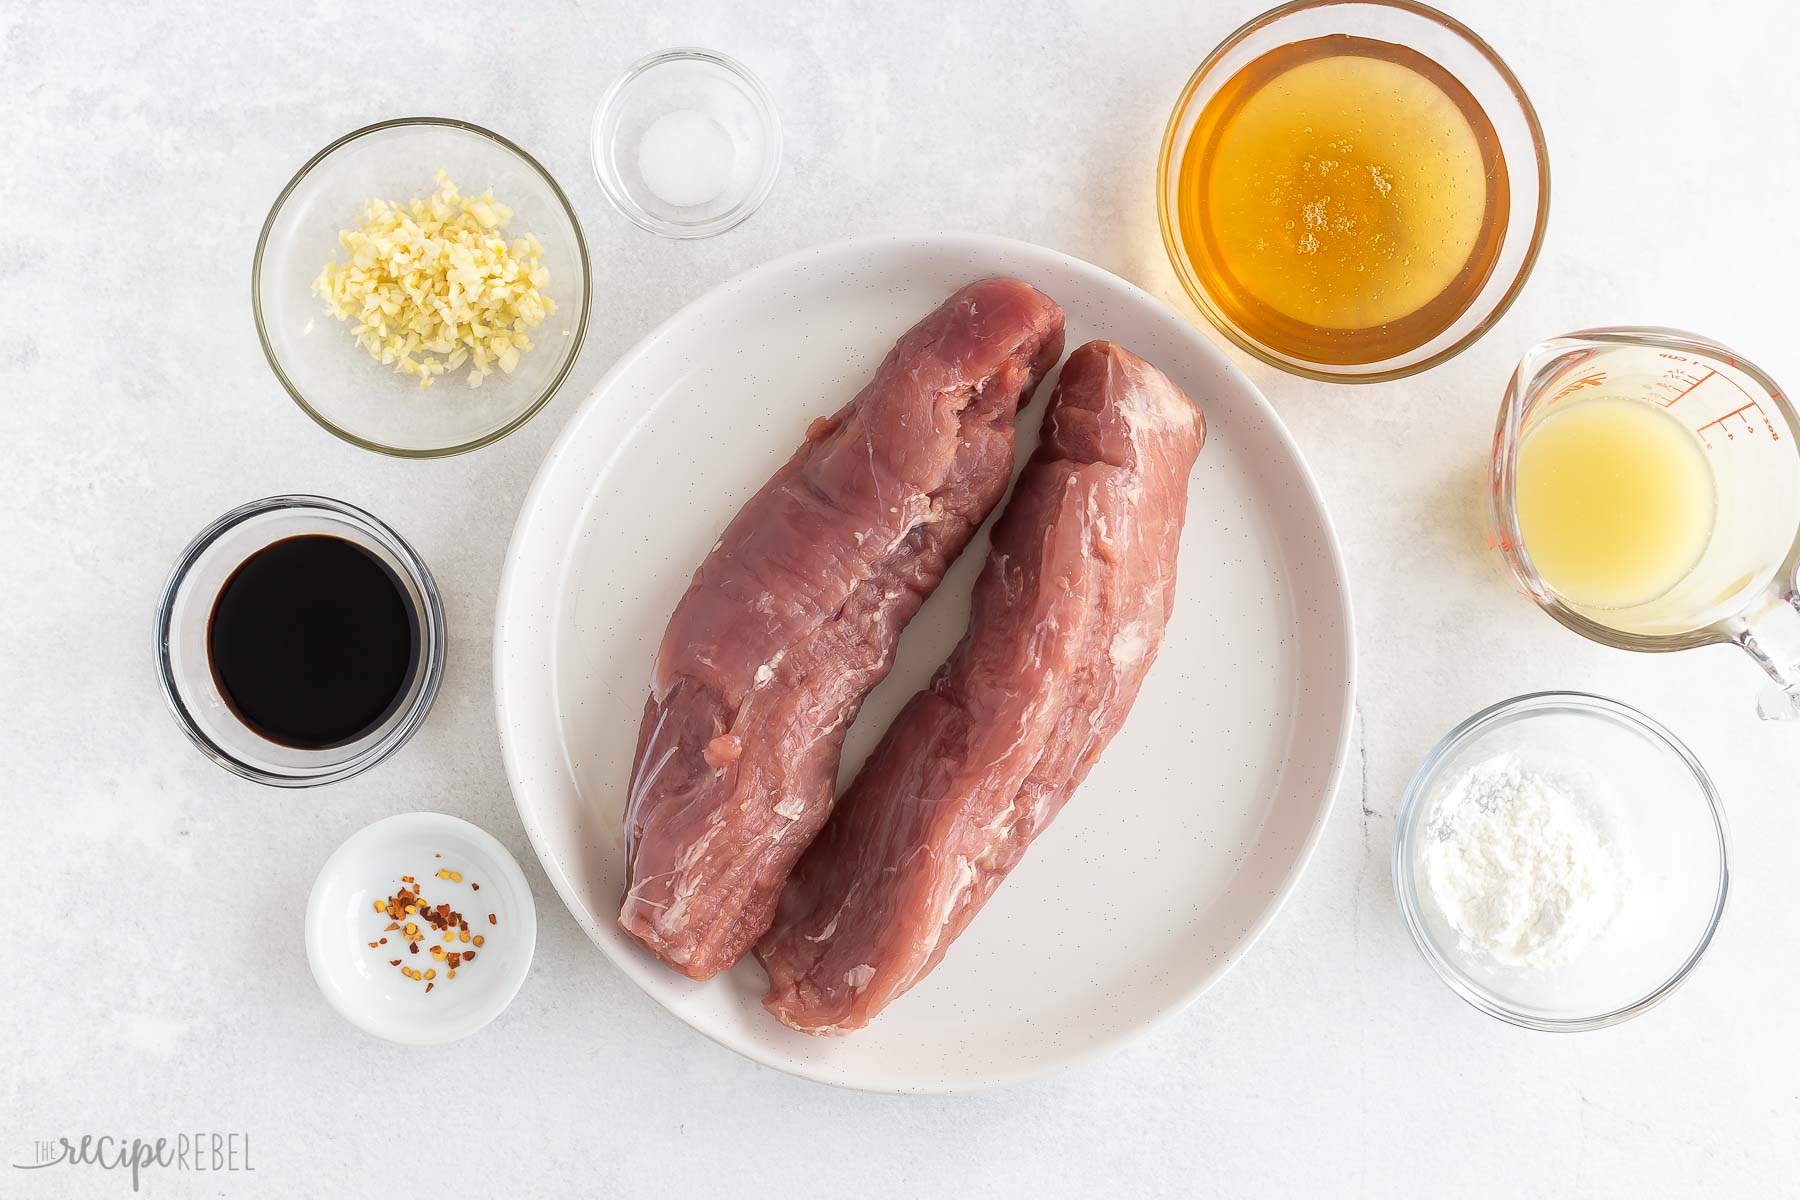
(639,969)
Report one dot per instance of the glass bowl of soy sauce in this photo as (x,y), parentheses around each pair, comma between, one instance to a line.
(299,641)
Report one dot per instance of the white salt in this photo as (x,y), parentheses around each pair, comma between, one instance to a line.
(685,158)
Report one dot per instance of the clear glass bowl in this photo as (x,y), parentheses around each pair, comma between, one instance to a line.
(1661,812)
(185,670)
(334,380)
(703,81)
(1467,58)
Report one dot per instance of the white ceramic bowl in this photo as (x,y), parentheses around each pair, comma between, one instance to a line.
(341,922)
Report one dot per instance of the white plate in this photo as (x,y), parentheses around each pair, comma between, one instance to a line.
(1180,846)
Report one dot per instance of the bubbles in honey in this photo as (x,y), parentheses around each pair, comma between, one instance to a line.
(1342,200)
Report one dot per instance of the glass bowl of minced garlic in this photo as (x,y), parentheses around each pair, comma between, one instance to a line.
(421,287)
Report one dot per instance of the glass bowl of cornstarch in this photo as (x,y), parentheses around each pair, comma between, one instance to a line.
(1561,861)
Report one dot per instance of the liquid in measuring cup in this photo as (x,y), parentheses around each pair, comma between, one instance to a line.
(1616,501)
(1646,494)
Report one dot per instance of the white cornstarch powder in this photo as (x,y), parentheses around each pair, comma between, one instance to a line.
(1519,866)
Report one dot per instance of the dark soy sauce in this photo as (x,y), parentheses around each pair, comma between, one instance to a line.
(313,642)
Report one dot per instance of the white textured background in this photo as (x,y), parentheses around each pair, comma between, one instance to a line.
(151,972)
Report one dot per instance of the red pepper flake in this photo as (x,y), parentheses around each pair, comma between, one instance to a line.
(409,909)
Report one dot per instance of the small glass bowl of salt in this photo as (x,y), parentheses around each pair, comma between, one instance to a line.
(1560,860)
(687,143)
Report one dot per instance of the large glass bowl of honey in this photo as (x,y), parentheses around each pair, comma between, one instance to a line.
(1353,191)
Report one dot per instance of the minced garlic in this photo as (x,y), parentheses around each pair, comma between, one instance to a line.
(434,286)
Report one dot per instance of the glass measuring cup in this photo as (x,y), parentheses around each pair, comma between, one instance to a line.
(1743,587)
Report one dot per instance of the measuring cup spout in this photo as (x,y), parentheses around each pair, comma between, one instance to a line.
(1770,633)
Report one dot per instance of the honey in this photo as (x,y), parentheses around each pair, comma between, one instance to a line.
(1342,200)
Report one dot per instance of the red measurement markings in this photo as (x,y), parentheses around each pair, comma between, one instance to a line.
(1593,380)
(1742,413)
(1670,403)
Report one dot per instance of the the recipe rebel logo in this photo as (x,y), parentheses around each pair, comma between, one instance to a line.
(194,1152)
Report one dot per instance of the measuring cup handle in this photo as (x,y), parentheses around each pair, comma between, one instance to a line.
(1770,633)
